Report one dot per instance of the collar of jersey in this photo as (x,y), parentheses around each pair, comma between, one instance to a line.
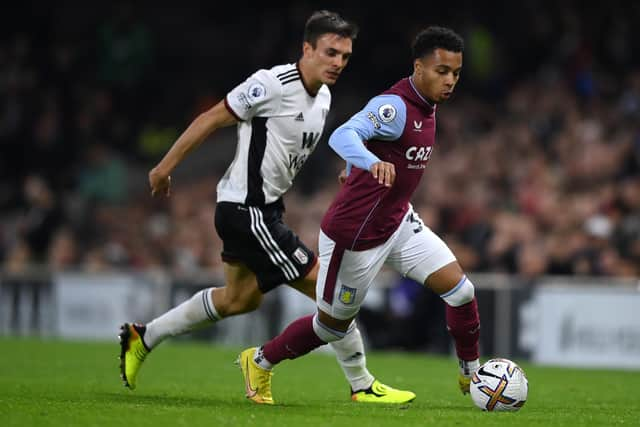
(311,94)
(413,86)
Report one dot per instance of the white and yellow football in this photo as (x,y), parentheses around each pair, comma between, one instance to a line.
(499,385)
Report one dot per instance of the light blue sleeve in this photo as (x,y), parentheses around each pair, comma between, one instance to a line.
(382,118)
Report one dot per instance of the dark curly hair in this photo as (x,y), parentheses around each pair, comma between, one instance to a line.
(433,38)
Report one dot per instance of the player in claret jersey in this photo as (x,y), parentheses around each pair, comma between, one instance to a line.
(280,114)
(387,146)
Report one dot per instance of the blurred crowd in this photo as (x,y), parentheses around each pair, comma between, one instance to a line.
(536,170)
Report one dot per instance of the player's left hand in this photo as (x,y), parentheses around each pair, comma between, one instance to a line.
(384,172)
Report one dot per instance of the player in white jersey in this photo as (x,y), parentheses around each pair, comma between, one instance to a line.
(280,122)
(280,114)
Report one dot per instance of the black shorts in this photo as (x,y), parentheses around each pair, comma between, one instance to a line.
(257,237)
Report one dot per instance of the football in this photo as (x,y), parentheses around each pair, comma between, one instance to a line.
(499,385)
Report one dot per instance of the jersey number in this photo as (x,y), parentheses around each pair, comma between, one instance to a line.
(415,219)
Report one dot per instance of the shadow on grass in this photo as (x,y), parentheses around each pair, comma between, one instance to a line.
(178,401)
(183,401)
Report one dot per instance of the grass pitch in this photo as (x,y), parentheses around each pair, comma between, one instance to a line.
(56,383)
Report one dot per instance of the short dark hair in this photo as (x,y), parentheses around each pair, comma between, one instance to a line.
(433,38)
(323,22)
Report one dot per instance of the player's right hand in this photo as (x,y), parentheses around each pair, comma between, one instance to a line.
(159,182)
(384,172)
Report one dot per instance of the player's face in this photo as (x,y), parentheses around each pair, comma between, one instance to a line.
(436,74)
(330,56)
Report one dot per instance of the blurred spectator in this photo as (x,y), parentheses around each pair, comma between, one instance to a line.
(103,176)
(62,254)
(94,260)
(18,258)
(42,216)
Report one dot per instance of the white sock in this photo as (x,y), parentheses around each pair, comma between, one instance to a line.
(468,367)
(194,313)
(350,354)
(260,360)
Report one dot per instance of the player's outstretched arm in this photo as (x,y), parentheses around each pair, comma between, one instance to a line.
(203,125)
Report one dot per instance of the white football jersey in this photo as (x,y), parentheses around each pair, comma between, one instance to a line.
(280,125)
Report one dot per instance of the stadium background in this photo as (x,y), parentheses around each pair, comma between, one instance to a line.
(536,172)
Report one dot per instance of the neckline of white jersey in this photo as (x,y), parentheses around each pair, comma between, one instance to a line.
(413,86)
(304,85)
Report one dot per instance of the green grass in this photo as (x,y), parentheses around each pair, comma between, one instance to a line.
(56,383)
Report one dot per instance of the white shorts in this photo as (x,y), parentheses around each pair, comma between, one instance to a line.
(345,276)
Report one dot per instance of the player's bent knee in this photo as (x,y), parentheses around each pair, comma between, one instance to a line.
(460,294)
(328,334)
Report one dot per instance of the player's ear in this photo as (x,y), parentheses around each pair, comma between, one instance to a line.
(418,67)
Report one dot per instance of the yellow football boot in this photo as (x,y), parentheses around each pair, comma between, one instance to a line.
(257,381)
(380,393)
(133,351)
(464,382)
